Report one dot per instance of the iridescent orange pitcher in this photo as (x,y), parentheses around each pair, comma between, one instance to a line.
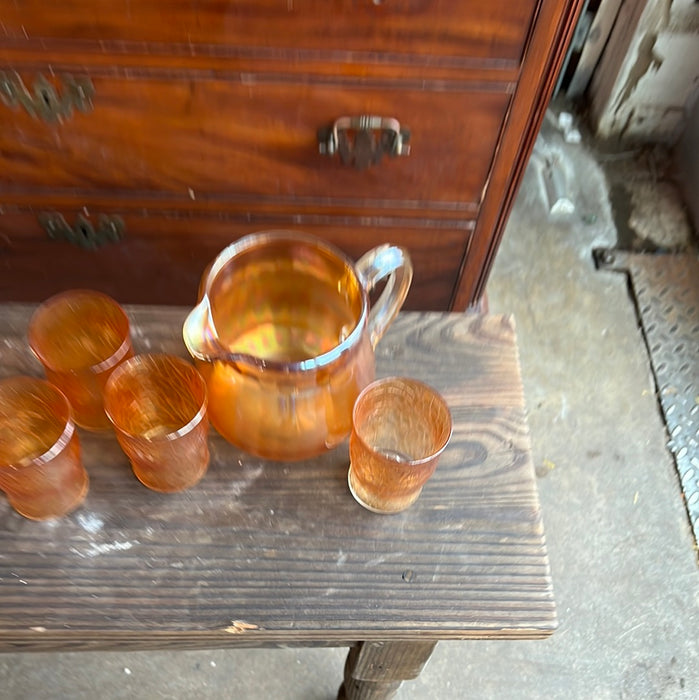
(284,336)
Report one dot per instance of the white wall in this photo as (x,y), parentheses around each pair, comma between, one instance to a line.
(647,82)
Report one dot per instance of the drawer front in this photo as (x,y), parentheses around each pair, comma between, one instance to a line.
(160,258)
(450,29)
(256,142)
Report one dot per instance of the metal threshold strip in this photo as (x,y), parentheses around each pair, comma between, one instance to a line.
(666,290)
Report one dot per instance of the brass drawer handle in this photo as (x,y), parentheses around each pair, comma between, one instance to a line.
(84,234)
(361,141)
(43,100)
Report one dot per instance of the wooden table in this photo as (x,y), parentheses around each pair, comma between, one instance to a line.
(263,554)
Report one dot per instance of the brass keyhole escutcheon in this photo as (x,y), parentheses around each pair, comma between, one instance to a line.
(42,100)
(84,234)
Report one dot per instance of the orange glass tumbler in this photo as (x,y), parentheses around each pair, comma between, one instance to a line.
(40,467)
(400,427)
(157,404)
(80,336)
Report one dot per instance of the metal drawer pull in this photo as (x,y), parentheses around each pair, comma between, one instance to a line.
(43,100)
(84,234)
(362,141)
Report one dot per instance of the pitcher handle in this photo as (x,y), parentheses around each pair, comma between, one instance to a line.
(393,264)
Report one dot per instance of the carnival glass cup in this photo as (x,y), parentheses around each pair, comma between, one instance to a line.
(80,336)
(41,471)
(157,404)
(400,427)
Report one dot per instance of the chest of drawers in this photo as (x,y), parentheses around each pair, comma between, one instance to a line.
(138,139)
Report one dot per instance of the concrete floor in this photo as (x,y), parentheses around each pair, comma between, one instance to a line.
(622,554)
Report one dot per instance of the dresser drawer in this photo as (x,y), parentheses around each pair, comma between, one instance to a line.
(161,257)
(490,29)
(255,143)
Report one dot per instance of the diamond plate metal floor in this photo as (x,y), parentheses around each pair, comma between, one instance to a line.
(666,289)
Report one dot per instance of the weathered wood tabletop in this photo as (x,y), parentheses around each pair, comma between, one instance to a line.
(263,553)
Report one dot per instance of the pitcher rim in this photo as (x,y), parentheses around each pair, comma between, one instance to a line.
(264,237)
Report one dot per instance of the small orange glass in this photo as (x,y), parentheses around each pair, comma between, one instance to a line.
(157,404)
(80,336)
(40,467)
(400,427)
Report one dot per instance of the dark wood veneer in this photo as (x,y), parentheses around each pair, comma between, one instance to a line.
(203,127)
(481,28)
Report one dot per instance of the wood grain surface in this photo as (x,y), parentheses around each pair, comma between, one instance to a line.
(263,553)
(162,256)
(430,28)
(163,137)
(210,109)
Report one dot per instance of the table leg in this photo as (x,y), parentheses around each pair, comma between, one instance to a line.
(375,670)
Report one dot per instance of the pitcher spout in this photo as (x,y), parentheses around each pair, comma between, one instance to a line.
(199,333)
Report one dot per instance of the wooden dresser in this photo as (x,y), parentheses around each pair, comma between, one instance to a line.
(138,139)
